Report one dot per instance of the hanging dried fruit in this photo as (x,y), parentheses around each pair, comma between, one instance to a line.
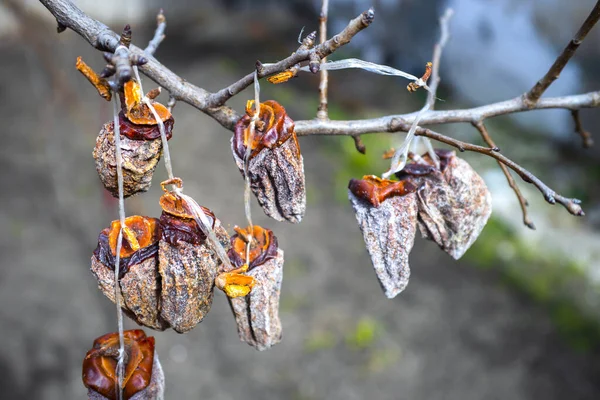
(257,314)
(138,269)
(188,263)
(275,165)
(386,212)
(141,144)
(143,378)
(454,202)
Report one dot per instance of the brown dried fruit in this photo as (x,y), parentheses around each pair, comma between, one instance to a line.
(141,148)
(454,202)
(386,212)
(138,270)
(143,376)
(257,314)
(275,165)
(188,264)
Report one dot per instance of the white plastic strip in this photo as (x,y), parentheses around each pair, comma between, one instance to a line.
(368,66)
(400,156)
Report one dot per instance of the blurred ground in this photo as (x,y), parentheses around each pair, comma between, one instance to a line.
(457,332)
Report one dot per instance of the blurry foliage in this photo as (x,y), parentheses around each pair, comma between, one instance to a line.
(547,278)
(320,340)
(364,334)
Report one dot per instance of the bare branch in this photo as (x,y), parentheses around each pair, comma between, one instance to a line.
(511,182)
(324,77)
(102,38)
(553,73)
(469,115)
(586,138)
(323,50)
(159,34)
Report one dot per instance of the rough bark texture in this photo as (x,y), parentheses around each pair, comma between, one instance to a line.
(389,234)
(454,206)
(154,391)
(140,158)
(277,180)
(188,278)
(257,314)
(140,290)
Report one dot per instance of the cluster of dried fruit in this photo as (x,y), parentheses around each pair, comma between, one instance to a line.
(450,205)
(170,266)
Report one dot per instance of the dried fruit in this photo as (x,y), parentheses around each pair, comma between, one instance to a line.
(454,202)
(188,263)
(257,314)
(138,269)
(386,212)
(275,165)
(141,145)
(143,378)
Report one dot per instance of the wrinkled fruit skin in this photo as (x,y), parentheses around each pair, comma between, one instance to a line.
(275,167)
(389,233)
(140,158)
(141,149)
(138,275)
(454,205)
(188,274)
(144,376)
(257,314)
(140,291)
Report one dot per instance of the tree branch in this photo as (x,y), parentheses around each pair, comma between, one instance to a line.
(553,73)
(102,38)
(322,50)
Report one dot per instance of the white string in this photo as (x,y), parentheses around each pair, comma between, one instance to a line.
(119,159)
(400,156)
(252,131)
(368,66)
(199,216)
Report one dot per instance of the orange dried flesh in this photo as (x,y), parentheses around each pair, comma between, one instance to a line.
(99,365)
(375,190)
(136,111)
(260,242)
(139,232)
(175,205)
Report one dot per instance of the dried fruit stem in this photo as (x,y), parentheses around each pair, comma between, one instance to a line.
(100,84)
(511,182)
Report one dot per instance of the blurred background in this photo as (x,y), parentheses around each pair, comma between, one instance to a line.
(516,318)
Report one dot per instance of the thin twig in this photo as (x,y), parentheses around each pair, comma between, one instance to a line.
(159,34)
(572,205)
(322,50)
(324,74)
(511,182)
(553,73)
(437,55)
(586,138)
